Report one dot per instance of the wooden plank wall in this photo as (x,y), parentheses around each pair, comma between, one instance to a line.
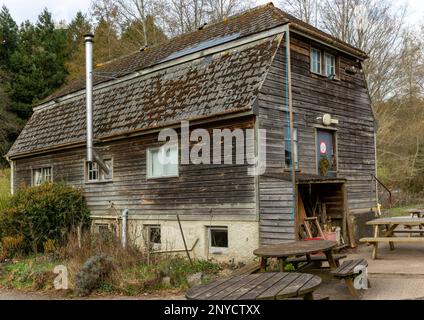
(201,192)
(276,195)
(346,100)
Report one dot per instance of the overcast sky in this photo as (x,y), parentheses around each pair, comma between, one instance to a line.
(22,10)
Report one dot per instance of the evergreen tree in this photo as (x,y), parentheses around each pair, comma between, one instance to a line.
(79,27)
(106,42)
(38,63)
(8,37)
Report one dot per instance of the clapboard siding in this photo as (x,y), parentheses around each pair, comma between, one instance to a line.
(201,192)
(347,100)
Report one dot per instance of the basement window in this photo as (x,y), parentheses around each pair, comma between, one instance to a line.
(154,236)
(42,175)
(218,239)
(101,228)
(162,162)
(94,172)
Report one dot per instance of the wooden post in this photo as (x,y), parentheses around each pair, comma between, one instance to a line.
(79,236)
(375,249)
(185,244)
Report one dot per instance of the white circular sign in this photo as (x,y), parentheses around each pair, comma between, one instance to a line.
(323,147)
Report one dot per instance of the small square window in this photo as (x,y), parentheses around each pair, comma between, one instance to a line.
(101,228)
(104,175)
(162,162)
(92,171)
(95,172)
(218,239)
(42,175)
(154,236)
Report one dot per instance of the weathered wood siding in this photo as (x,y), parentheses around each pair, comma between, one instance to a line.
(345,99)
(201,192)
(348,101)
(276,195)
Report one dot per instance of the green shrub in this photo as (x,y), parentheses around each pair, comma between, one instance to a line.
(4,188)
(93,274)
(43,214)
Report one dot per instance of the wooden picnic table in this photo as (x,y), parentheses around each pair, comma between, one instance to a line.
(416,212)
(390,225)
(294,249)
(259,286)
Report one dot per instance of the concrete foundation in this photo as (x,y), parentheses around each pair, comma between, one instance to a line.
(243,238)
(359,224)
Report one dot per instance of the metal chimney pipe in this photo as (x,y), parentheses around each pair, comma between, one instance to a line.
(89,39)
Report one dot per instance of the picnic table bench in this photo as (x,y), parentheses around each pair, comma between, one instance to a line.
(347,273)
(314,259)
(295,249)
(259,286)
(388,236)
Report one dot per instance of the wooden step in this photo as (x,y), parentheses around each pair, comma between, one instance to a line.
(393,239)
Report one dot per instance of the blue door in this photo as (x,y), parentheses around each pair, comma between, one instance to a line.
(326,153)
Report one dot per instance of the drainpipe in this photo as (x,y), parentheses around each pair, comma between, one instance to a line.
(124,228)
(89,38)
(12,175)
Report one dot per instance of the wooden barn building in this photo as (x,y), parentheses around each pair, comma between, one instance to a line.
(259,70)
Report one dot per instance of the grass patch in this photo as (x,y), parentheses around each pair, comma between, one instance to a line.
(28,274)
(401,210)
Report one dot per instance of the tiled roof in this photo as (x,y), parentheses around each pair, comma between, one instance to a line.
(250,22)
(223,83)
(198,89)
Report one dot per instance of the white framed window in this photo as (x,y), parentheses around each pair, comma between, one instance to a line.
(330,65)
(218,239)
(42,175)
(162,162)
(316,61)
(288,147)
(94,172)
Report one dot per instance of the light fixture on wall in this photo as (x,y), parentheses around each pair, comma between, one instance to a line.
(327,120)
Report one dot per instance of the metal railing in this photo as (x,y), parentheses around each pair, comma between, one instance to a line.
(385,188)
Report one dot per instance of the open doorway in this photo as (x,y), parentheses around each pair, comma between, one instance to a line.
(327,202)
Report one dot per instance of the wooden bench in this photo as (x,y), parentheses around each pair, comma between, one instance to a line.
(347,273)
(314,259)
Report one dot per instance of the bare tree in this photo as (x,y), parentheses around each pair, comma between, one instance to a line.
(182,16)
(376,28)
(217,10)
(132,10)
(305,10)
